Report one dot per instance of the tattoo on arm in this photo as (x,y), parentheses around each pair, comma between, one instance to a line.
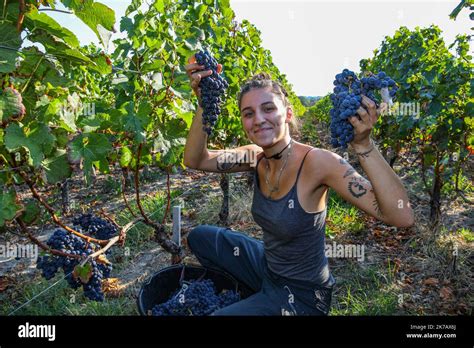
(349,172)
(343,161)
(377,208)
(356,189)
(365,154)
(375,204)
(224,164)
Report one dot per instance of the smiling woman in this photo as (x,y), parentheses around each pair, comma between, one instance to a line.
(288,271)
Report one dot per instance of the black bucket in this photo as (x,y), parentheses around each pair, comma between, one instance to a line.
(165,282)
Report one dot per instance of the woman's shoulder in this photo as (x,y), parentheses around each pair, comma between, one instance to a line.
(318,161)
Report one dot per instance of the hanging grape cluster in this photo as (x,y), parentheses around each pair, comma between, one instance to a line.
(347,98)
(212,90)
(69,243)
(95,226)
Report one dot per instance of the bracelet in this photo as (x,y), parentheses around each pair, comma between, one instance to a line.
(364,154)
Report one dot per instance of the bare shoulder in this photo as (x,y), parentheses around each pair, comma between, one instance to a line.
(321,162)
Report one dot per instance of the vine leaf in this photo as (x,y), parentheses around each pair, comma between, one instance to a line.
(92,148)
(38,141)
(94,15)
(32,211)
(49,25)
(9,38)
(8,206)
(57,168)
(84,273)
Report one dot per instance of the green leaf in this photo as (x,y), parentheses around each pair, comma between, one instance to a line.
(10,39)
(176,128)
(57,168)
(135,123)
(101,65)
(159,5)
(126,24)
(91,147)
(84,273)
(93,14)
(38,141)
(8,206)
(49,25)
(32,211)
(457,9)
(125,157)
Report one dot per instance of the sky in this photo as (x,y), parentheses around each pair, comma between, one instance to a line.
(313,40)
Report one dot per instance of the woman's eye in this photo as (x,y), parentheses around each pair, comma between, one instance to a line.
(269,109)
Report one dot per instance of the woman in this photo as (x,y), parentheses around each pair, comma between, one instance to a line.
(289,270)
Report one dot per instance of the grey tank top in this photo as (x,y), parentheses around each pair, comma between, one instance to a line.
(294,240)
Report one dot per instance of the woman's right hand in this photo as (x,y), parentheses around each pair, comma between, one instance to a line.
(196,73)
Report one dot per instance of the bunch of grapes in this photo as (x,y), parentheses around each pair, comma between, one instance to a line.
(66,242)
(212,89)
(95,226)
(347,98)
(196,298)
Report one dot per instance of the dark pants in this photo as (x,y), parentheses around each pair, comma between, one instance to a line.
(243,257)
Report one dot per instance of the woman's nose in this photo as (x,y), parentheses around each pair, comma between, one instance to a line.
(259,117)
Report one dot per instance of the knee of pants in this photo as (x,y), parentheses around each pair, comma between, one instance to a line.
(199,235)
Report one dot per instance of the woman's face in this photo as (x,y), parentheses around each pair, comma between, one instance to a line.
(264,116)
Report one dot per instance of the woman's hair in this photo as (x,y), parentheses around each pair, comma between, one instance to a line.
(263,80)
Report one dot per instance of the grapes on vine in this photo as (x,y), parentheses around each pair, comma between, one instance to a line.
(95,226)
(197,298)
(347,98)
(212,90)
(66,242)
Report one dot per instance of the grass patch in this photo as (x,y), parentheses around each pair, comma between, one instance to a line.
(141,237)
(364,292)
(466,234)
(342,217)
(59,299)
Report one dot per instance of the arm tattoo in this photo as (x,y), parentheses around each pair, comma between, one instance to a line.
(366,153)
(225,163)
(349,172)
(343,161)
(375,204)
(356,188)
(377,209)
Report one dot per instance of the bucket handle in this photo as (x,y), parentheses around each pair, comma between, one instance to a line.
(181,277)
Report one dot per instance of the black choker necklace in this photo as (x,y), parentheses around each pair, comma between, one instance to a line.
(278,155)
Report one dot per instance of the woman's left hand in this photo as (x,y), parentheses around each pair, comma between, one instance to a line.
(369,115)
